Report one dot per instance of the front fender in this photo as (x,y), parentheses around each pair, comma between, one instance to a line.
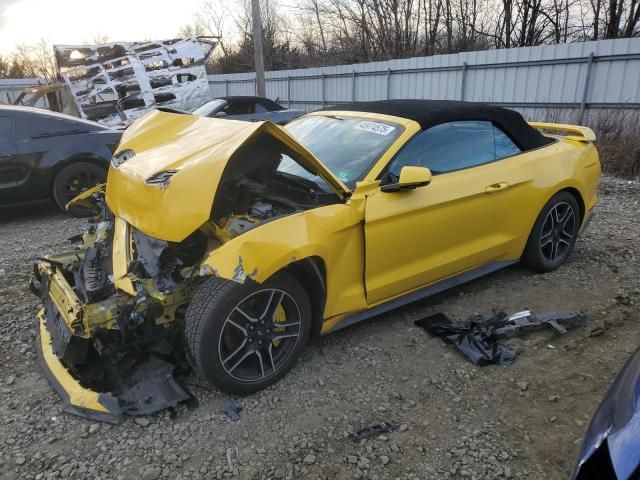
(331,232)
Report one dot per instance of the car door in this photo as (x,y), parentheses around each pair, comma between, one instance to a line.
(10,169)
(417,237)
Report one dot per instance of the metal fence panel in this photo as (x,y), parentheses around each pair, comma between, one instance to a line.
(10,88)
(576,76)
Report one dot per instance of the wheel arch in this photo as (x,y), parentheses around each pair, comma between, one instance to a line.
(311,273)
(579,199)
(60,166)
(85,148)
(573,190)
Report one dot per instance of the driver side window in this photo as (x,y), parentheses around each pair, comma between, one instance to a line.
(453,146)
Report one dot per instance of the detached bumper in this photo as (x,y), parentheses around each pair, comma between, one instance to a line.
(77,399)
(128,380)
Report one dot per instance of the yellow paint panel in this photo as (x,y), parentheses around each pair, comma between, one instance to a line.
(121,256)
(78,395)
(84,199)
(417,237)
(198,148)
(585,133)
(333,233)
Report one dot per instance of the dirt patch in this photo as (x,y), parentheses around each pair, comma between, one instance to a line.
(457,420)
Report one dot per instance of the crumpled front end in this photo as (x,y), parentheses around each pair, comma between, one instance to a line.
(178,189)
(111,324)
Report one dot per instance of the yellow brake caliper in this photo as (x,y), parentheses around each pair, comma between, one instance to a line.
(279,316)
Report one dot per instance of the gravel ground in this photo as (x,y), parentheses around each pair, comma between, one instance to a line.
(524,421)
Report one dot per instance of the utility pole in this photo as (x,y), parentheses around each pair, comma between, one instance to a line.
(258,48)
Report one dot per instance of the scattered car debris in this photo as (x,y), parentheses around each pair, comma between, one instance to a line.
(150,388)
(527,321)
(232,410)
(373,430)
(477,338)
(232,456)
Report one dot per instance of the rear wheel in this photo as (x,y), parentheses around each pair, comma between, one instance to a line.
(74,179)
(245,337)
(554,233)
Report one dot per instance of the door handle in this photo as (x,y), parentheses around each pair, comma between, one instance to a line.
(496,187)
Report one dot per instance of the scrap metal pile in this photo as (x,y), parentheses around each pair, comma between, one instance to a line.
(118,82)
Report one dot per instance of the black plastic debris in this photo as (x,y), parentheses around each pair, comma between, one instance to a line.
(373,430)
(477,337)
(232,410)
(150,388)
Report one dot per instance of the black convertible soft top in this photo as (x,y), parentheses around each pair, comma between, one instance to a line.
(429,113)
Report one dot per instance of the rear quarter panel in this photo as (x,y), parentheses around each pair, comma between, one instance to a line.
(538,175)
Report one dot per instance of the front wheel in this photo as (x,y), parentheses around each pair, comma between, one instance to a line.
(244,337)
(74,179)
(554,233)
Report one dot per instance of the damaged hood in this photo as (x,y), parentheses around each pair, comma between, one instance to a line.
(164,177)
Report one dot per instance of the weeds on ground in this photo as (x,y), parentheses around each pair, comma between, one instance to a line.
(618,141)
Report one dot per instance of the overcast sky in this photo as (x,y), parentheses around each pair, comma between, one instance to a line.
(77,21)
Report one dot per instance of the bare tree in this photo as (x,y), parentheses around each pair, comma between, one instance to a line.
(349,31)
(36,60)
(99,38)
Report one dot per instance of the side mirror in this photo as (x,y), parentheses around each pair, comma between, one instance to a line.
(410,178)
(221,114)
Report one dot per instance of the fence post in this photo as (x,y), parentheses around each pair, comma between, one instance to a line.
(585,89)
(226,87)
(288,91)
(388,83)
(464,80)
(324,98)
(353,86)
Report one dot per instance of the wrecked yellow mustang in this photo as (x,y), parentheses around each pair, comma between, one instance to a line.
(222,246)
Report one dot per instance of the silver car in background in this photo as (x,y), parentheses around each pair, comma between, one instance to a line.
(247,108)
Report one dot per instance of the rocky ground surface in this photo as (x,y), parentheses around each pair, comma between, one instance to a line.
(456,420)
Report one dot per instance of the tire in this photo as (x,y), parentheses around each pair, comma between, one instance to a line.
(72,180)
(223,331)
(554,235)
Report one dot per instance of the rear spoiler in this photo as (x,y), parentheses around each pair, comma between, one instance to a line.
(584,134)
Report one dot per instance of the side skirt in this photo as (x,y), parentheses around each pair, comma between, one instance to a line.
(419,294)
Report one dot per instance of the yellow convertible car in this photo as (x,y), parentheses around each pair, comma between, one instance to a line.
(222,247)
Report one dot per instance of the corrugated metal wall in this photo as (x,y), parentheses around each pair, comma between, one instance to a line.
(10,88)
(573,77)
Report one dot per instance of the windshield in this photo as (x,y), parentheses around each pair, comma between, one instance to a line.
(207,109)
(348,146)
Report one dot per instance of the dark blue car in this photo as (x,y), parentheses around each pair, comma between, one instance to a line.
(611,447)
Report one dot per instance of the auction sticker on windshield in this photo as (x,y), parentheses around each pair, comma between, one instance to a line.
(373,127)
